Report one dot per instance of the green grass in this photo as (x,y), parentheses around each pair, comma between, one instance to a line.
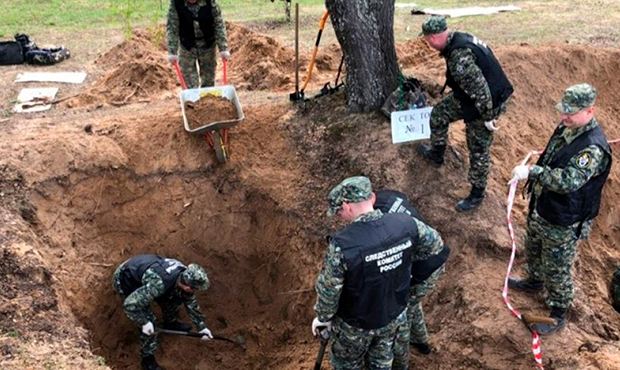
(540,21)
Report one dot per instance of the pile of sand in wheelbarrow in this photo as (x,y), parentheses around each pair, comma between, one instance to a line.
(209,109)
(134,71)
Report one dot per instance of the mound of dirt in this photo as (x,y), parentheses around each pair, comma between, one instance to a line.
(261,62)
(209,109)
(133,71)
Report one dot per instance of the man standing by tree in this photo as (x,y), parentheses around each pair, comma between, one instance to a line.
(363,288)
(199,27)
(148,278)
(480,90)
(565,185)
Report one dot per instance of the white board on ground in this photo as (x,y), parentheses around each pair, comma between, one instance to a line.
(473,10)
(35,99)
(411,125)
(66,77)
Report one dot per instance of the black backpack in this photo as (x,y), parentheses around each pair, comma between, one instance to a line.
(11,53)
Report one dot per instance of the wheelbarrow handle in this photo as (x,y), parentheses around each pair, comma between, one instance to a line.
(177,69)
(225,71)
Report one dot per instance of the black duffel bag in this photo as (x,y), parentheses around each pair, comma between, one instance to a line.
(11,52)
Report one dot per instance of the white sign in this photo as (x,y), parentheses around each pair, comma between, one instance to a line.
(410,125)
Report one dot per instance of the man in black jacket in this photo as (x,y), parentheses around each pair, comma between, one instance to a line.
(480,91)
(199,27)
(565,186)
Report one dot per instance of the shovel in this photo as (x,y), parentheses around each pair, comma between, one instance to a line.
(324,338)
(240,341)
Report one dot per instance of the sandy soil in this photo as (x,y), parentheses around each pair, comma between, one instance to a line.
(98,179)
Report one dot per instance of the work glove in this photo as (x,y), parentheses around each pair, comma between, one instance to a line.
(490,125)
(148,328)
(520,172)
(225,54)
(173,58)
(318,326)
(206,334)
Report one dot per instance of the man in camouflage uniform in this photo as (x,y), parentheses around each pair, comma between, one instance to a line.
(146,278)
(565,186)
(480,91)
(199,27)
(363,288)
(428,264)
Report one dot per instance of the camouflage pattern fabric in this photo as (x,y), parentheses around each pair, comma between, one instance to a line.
(479,139)
(201,54)
(351,190)
(550,249)
(352,347)
(414,330)
(137,306)
(615,290)
(408,95)
(330,282)
(434,24)
(576,98)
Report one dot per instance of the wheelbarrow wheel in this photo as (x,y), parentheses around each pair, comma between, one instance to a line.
(221,152)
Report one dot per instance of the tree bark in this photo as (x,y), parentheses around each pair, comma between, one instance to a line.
(365,31)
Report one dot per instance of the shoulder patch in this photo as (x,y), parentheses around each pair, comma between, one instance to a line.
(584,160)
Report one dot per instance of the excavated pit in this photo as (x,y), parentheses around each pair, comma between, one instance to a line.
(84,191)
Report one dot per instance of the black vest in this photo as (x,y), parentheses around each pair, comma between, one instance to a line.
(582,204)
(392,201)
(205,20)
(500,87)
(378,258)
(167,268)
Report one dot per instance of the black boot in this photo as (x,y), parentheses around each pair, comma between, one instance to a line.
(149,363)
(423,348)
(176,325)
(434,154)
(525,285)
(472,201)
(559,317)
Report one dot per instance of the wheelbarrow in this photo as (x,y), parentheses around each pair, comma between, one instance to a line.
(216,132)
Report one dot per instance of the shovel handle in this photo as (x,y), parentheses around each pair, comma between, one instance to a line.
(195,335)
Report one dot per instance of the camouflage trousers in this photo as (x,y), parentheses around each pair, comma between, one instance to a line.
(206,61)
(615,290)
(148,343)
(479,138)
(355,348)
(414,330)
(550,252)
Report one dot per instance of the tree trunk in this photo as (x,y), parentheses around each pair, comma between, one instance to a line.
(365,31)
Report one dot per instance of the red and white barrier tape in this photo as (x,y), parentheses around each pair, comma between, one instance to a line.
(536,341)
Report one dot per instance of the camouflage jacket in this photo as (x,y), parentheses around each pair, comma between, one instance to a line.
(575,174)
(137,305)
(172,27)
(462,65)
(330,281)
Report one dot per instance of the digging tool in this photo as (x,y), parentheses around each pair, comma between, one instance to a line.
(240,340)
(324,338)
(529,319)
(327,89)
(314,52)
(297,95)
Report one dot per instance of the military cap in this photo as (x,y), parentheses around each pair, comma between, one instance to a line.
(351,190)
(196,277)
(576,98)
(434,24)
